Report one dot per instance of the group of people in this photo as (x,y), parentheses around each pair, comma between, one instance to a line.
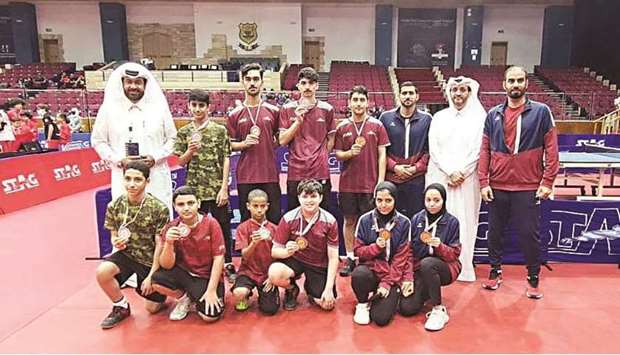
(410,190)
(18,126)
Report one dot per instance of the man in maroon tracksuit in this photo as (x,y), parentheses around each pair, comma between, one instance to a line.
(517,167)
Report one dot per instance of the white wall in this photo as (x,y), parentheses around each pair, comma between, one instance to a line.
(523,28)
(165,13)
(79,24)
(349,30)
(280,24)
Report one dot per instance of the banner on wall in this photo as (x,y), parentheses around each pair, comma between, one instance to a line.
(426,37)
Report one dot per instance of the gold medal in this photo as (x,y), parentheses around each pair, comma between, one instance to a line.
(361,141)
(255,130)
(302,243)
(425,237)
(385,234)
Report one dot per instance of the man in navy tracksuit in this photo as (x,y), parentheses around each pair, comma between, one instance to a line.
(407,154)
(518,164)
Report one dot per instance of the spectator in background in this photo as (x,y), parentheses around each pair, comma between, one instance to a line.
(61,134)
(75,121)
(7,137)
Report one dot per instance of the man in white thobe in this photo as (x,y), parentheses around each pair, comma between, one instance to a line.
(454,146)
(135,110)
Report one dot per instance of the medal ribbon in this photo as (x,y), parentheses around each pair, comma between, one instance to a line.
(428,227)
(254,119)
(125,223)
(312,221)
(388,227)
(359,132)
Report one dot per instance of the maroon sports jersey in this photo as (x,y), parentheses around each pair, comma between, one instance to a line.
(323,234)
(307,152)
(257,164)
(257,265)
(195,252)
(360,173)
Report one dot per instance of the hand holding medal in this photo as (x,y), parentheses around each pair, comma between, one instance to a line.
(302,243)
(122,237)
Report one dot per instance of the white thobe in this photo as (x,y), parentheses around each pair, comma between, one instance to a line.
(152,128)
(7,133)
(454,145)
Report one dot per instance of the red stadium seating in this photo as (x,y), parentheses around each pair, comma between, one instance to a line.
(345,75)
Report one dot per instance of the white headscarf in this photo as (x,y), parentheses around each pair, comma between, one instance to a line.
(473,102)
(115,95)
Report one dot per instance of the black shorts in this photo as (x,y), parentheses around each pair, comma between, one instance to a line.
(268,302)
(129,267)
(195,286)
(355,203)
(316,277)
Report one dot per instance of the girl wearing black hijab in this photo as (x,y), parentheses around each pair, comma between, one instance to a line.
(382,246)
(435,249)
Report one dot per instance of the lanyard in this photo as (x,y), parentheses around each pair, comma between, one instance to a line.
(253,118)
(361,130)
(312,221)
(388,227)
(432,226)
(125,223)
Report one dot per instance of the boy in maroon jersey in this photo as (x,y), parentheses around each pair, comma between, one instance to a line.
(307,126)
(253,130)
(254,239)
(192,260)
(360,145)
(306,241)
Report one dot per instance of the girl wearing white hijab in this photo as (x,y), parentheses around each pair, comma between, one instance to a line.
(454,140)
(145,120)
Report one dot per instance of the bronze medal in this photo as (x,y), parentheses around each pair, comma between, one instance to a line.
(124,233)
(385,234)
(196,137)
(425,237)
(302,243)
(184,230)
(361,141)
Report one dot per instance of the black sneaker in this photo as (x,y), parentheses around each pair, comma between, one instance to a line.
(230,272)
(116,316)
(290,297)
(347,269)
(495,279)
(533,290)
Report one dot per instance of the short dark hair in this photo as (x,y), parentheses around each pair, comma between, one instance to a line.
(183,191)
(14,102)
(310,186)
(256,193)
(140,166)
(359,89)
(251,66)
(199,95)
(515,67)
(308,73)
(407,83)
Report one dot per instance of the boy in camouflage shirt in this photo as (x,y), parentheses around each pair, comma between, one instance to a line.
(203,146)
(134,220)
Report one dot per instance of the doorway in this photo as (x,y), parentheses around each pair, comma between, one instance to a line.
(313,53)
(499,53)
(51,51)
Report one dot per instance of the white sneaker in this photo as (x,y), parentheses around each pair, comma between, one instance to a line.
(437,318)
(181,309)
(362,314)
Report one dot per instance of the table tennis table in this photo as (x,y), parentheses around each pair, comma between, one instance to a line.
(595,157)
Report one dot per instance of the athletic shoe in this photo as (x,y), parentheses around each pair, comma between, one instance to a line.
(231,273)
(362,314)
(347,269)
(242,305)
(437,318)
(116,316)
(290,297)
(181,309)
(532,290)
(495,279)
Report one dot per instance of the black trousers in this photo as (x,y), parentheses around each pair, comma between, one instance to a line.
(432,274)
(382,310)
(411,196)
(222,215)
(524,210)
(272,189)
(293,201)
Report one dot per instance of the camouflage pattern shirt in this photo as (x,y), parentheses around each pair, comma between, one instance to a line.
(205,170)
(151,219)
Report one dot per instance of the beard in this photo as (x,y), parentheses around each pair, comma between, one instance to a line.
(516,94)
(135,95)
